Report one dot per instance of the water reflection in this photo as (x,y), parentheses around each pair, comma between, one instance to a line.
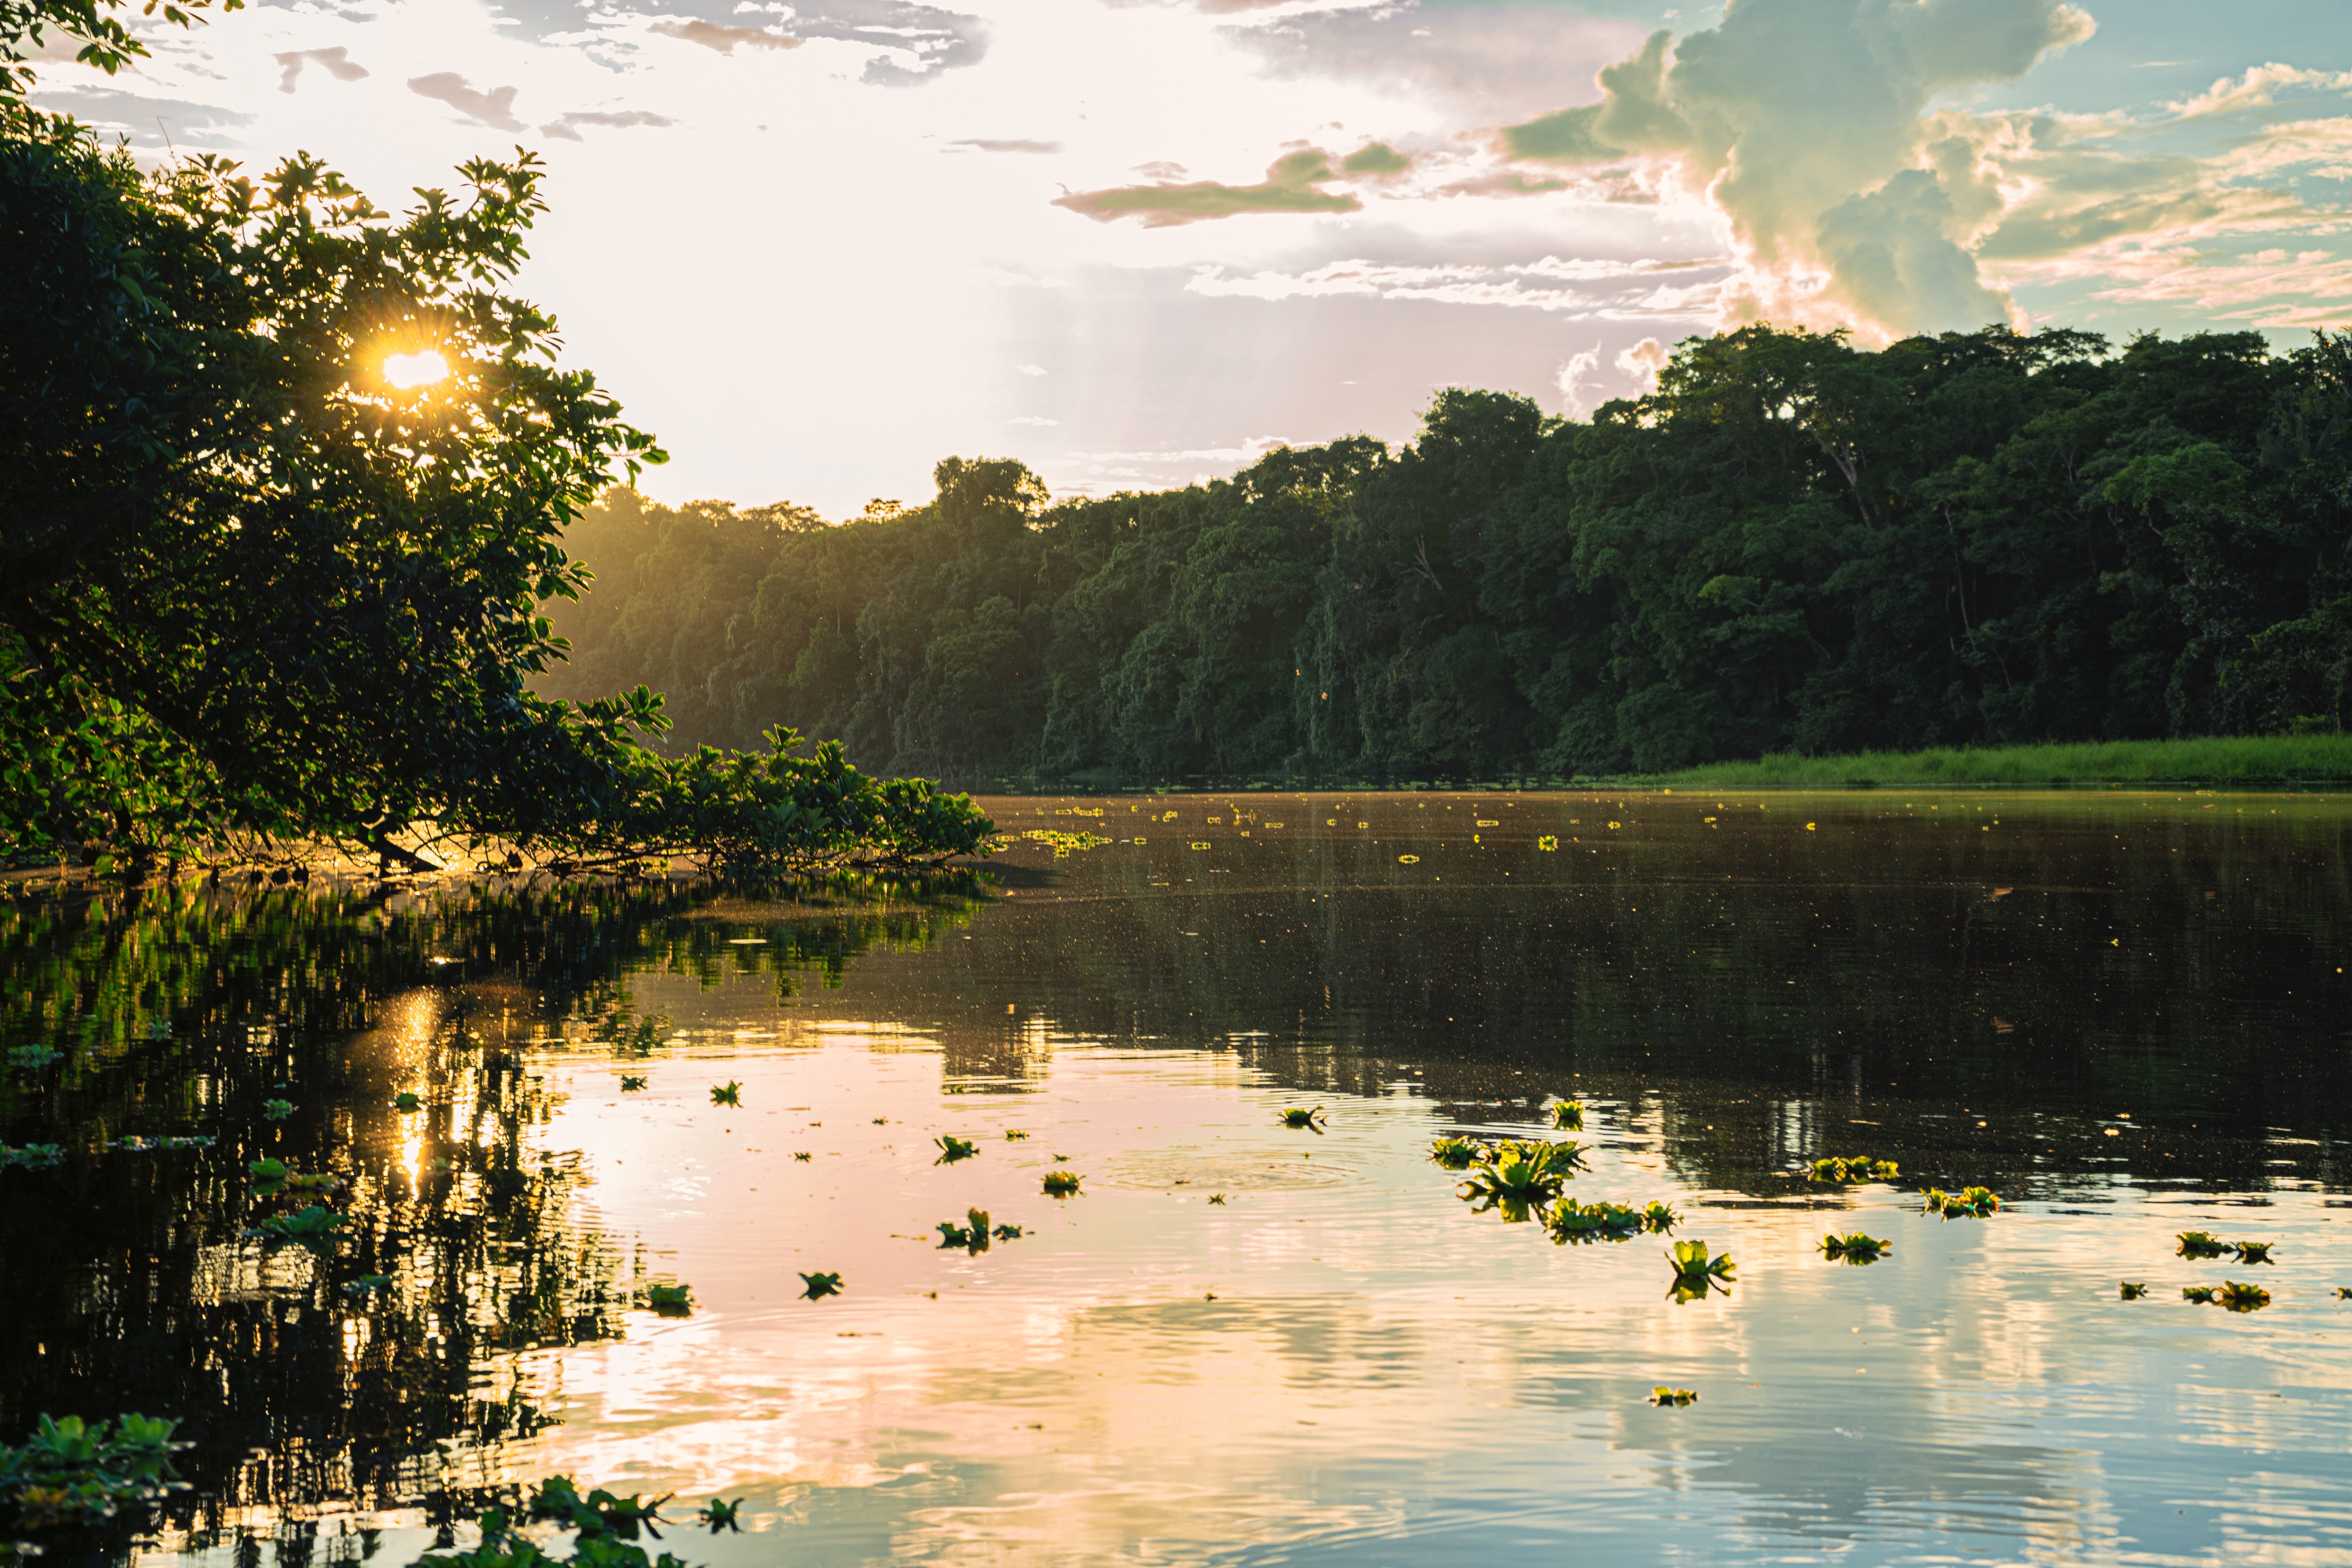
(2036,995)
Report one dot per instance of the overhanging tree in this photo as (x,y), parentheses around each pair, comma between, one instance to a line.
(282,481)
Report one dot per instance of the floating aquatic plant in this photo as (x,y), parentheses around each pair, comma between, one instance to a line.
(1295,1116)
(952,1148)
(670,1300)
(1006,1233)
(1014,1135)
(630,1082)
(1219,1198)
(315,1223)
(2133,1290)
(367,1282)
(2344,1292)
(277,1110)
(1968,1203)
(606,1537)
(972,1235)
(267,1170)
(1660,1219)
(33,1056)
(2240,1298)
(1855,1247)
(2201,1244)
(1062,1183)
(31,1155)
(406,1101)
(2198,1293)
(817,1287)
(1673,1397)
(2256,1251)
(727,1093)
(71,1472)
(1852,1168)
(600,1513)
(312,1182)
(720,1514)
(1456,1154)
(1595,1222)
(1697,1271)
(881,1122)
(1568,1115)
(1518,1172)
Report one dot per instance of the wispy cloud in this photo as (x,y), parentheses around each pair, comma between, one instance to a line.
(566,126)
(1000,144)
(1293,184)
(494,109)
(336,62)
(726,40)
(1634,289)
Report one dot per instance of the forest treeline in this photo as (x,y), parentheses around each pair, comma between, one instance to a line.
(1792,545)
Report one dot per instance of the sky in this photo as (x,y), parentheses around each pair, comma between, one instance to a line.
(815,246)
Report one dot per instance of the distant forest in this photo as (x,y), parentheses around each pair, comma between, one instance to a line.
(1792,545)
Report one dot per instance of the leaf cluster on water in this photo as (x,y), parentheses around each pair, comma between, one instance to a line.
(72,1472)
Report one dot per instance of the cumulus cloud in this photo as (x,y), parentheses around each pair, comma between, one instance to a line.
(1575,377)
(1643,362)
(1292,185)
(1805,122)
(567,127)
(336,62)
(494,109)
(726,40)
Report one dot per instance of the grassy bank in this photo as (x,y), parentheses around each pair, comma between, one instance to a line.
(2220,760)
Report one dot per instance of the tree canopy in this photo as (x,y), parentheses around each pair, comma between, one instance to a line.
(1792,545)
(283,478)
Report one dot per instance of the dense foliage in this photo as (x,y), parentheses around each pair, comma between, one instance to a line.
(1793,544)
(253,583)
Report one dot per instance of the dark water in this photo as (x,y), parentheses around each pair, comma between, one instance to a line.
(2125,1012)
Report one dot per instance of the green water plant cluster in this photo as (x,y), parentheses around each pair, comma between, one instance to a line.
(1062,1183)
(1300,1116)
(1698,1272)
(1855,1247)
(976,1234)
(604,1526)
(669,1300)
(1568,1115)
(1456,1154)
(31,1156)
(1968,1203)
(2237,1295)
(952,1148)
(1843,1168)
(72,1472)
(1673,1397)
(817,1287)
(1573,1222)
(1516,1174)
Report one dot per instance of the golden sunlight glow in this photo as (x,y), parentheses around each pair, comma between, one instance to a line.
(409,371)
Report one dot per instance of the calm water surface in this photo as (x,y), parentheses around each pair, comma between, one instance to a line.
(1241,1342)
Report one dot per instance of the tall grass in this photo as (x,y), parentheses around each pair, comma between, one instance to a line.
(2217,760)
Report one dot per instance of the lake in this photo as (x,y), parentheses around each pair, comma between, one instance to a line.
(1238,1341)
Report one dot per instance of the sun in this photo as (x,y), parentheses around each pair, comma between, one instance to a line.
(409,371)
